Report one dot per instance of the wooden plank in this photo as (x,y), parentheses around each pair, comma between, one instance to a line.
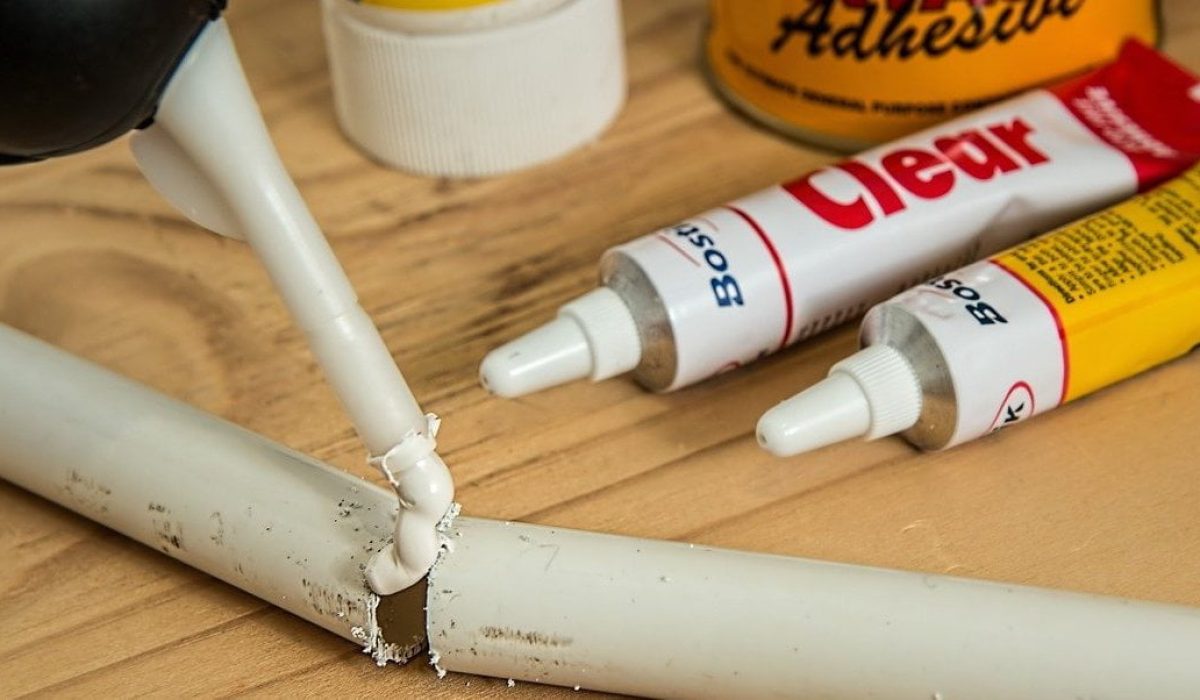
(1098,496)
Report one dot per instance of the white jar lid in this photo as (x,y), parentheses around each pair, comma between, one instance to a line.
(483,89)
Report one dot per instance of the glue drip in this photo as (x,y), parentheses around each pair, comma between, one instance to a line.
(426,492)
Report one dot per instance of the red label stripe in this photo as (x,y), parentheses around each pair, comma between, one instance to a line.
(679,250)
(1062,336)
(1012,390)
(783,279)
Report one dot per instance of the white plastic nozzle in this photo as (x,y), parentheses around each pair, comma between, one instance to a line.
(870,394)
(830,411)
(547,356)
(209,152)
(594,336)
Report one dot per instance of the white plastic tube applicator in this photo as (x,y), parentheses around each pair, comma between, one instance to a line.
(209,153)
(209,121)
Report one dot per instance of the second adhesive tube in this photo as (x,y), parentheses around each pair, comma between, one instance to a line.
(1005,339)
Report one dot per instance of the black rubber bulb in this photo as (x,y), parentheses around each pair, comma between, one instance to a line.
(75,74)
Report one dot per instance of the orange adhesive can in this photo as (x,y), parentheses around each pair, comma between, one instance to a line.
(852,73)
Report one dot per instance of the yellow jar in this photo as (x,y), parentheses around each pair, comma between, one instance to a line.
(852,73)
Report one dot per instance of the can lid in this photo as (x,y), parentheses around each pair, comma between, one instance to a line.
(870,394)
(594,336)
(475,90)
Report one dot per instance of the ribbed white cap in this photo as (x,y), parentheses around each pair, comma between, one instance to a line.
(870,394)
(594,336)
(477,91)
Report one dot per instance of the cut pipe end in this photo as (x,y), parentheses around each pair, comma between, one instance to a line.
(401,619)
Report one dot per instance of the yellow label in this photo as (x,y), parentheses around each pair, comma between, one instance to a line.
(867,71)
(1123,285)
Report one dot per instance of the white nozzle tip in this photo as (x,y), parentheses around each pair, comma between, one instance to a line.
(553,354)
(830,411)
(594,336)
(870,394)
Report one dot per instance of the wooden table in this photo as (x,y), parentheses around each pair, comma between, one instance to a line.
(1100,496)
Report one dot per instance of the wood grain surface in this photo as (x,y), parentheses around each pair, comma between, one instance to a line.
(1098,496)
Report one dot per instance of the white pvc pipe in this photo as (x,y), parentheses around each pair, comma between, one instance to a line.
(559,606)
(250,512)
(667,619)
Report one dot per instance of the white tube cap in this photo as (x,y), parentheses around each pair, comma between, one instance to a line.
(870,394)
(594,336)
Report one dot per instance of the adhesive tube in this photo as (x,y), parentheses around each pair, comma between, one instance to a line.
(1001,340)
(744,280)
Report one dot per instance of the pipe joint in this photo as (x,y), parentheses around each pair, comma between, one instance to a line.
(425,490)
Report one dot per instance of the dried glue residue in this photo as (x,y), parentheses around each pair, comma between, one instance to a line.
(434,658)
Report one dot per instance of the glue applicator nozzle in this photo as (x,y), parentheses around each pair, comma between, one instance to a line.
(594,336)
(870,394)
(208,152)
